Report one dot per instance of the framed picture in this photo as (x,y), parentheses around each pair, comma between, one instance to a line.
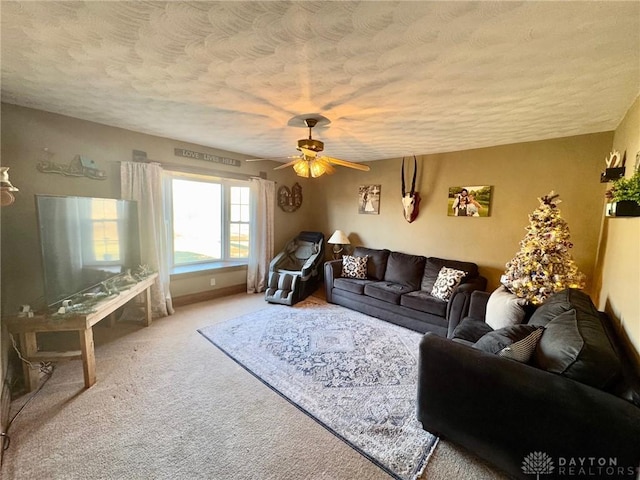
(469,201)
(369,199)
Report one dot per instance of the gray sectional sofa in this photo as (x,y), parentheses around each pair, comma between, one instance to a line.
(576,401)
(398,289)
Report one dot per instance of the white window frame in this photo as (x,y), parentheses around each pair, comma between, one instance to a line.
(225,183)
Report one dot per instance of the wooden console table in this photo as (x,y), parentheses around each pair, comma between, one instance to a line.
(27,327)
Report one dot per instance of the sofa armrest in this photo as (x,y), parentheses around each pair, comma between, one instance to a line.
(460,302)
(478,305)
(503,410)
(332,269)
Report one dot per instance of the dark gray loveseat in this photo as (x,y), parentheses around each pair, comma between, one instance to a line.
(397,289)
(583,421)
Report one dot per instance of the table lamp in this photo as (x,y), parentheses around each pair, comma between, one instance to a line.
(338,240)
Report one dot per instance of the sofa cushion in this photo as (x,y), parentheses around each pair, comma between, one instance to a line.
(405,269)
(354,267)
(573,346)
(351,284)
(387,291)
(470,330)
(497,340)
(447,281)
(504,309)
(377,263)
(575,343)
(433,266)
(424,302)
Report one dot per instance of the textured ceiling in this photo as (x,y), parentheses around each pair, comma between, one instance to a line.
(394,78)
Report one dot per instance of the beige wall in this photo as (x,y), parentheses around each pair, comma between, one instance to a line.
(26,132)
(519,174)
(618,267)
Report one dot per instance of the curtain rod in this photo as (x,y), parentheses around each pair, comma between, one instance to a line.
(205,171)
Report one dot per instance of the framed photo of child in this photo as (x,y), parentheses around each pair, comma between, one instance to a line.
(469,201)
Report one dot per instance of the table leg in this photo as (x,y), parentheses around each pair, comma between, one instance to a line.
(29,347)
(147,307)
(88,356)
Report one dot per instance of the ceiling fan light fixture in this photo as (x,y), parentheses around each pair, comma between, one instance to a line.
(302,169)
(317,168)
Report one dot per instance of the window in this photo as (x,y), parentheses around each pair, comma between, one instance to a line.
(210,219)
(239,222)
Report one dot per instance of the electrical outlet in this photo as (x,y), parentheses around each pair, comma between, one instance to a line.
(212,282)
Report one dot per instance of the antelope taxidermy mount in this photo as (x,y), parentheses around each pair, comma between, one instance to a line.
(410,200)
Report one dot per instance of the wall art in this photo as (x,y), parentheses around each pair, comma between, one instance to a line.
(469,201)
(369,199)
(290,200)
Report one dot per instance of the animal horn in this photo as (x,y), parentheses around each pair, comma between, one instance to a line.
(403,192)
(415,170)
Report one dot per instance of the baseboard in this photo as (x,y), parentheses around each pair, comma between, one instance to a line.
(208,295)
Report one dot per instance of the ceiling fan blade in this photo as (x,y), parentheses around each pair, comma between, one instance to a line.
(270,158)
(344,163)
(285,165)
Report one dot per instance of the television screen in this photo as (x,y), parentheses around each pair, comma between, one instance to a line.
(85,241)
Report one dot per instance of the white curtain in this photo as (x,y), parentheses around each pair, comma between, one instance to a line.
(261,238)
(142,182)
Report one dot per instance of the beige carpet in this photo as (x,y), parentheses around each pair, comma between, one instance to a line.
(169,405)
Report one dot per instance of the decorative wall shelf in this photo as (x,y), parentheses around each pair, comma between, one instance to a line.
(611,174)
(623,208)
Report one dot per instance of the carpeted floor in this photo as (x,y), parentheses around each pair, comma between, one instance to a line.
(169,406)
(356,375)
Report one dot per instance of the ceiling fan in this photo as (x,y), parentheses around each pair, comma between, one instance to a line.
(308,162)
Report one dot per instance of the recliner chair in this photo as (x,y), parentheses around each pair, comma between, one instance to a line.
(295,272)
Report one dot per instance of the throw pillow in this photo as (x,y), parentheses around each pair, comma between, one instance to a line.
(470,330)
(377,263)
(448,279)
(504,309)
(522,351)
(576,346)
(354,267)
(498,340)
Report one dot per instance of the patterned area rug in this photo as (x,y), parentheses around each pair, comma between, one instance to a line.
(356,375)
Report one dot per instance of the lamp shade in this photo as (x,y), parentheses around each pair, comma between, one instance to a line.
(339,238)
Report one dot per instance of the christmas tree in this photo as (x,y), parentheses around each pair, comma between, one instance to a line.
(543,265)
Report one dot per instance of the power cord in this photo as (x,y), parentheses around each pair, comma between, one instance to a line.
(47,369)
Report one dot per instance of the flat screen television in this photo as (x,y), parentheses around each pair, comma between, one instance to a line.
(84,242)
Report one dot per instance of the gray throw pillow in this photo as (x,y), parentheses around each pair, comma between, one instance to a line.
(576,346)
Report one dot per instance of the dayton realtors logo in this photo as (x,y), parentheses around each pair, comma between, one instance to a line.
(539,463)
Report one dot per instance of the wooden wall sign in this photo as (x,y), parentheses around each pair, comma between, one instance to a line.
(290,200)
(183,152)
